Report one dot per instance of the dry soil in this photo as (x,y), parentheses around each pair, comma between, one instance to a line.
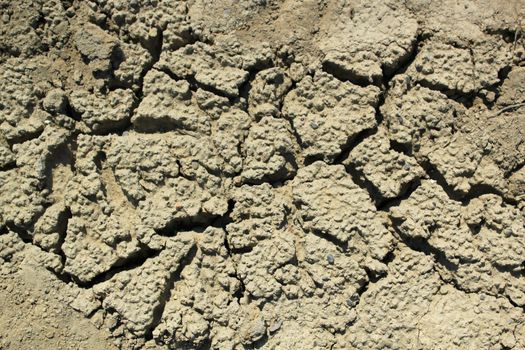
(261,174)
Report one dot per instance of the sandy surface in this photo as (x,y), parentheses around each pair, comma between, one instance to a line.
(262,174)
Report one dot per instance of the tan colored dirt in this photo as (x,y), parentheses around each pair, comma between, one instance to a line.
(262,174)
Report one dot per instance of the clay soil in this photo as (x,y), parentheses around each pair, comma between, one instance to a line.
(260,174)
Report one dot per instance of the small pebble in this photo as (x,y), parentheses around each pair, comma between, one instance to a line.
(314,125)
(330,259)
(353,300)
(275,326)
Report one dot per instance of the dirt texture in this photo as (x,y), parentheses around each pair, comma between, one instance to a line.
(260,174)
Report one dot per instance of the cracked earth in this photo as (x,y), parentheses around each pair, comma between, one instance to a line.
(320,174)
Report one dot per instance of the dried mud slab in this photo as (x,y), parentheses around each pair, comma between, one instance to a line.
(389,172)
(328,114)
(414,297)
(465,239)
(262,174)
(369,41)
